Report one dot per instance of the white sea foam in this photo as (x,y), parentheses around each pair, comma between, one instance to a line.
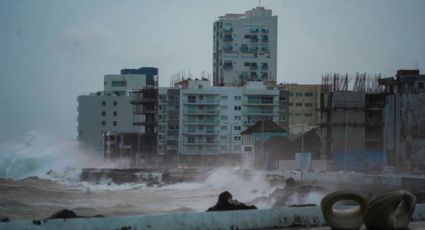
(39,153)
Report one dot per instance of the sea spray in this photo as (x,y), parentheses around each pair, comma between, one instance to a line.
(38,153)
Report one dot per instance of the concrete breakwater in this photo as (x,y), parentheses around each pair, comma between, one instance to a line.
(150,176)
(309,217)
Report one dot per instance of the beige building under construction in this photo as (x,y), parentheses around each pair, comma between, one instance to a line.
(303,106)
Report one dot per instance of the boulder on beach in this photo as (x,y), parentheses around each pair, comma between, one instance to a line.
(226,203)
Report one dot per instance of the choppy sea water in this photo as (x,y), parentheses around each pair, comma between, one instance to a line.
(39,175)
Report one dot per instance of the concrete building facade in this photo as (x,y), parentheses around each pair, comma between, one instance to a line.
(304,101)
(104,117)
(212,118)
(404,131)
(245,48)
(352,124)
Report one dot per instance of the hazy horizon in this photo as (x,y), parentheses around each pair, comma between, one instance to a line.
(53,51)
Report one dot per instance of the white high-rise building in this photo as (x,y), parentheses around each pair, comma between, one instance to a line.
(212,118)
(245,48)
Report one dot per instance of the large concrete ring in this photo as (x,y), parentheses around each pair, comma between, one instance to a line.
(350,219)
(390,210)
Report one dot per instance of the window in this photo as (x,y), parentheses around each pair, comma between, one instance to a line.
(119,83)
(237,98)
(223,127)
(191,99)
(291,104)
(201,97)
(223,107)
(115,113)
(421,85)
(237,138)
(103,103)
(210,139)
(237,118)
(223,138)
(115,123)
(201,118)
(291,94)
(308,114)
(237,108)
(223,97)
(282,98)
(115,103)
(103,123)
(299,94)
(224,118)
(298,104)
(103,113)
(308,94)
(308,104)
(190,140)
(237,128)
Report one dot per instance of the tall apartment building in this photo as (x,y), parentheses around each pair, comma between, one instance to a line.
(245,48)
(303,106)
(104,115)
(212,118)
(168,122)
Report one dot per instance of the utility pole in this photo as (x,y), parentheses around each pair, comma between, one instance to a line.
(345,139)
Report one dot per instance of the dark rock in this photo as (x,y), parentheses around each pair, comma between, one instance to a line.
(226,203)
(37,222)
(302,205)
(4,219)
(290,182)
(63,214)
(68,214)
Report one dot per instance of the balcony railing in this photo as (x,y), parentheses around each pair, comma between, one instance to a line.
(200,122)
(201,112)
(201,143)
(202,102)
(200,132)
(259,102)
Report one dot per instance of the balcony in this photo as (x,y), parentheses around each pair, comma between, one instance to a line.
(202,102)
(260,112)
(228,48)
(265,49)
(227,38)
(200,112)
(259,102)
(227,29)
(253,67)
(201,132)
(244,48)
(142,100)
(253,30)
(200,122)
(253,39)
(202,143)
(144,111)
(227,66)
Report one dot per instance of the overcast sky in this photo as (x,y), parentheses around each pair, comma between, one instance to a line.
(53,50)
